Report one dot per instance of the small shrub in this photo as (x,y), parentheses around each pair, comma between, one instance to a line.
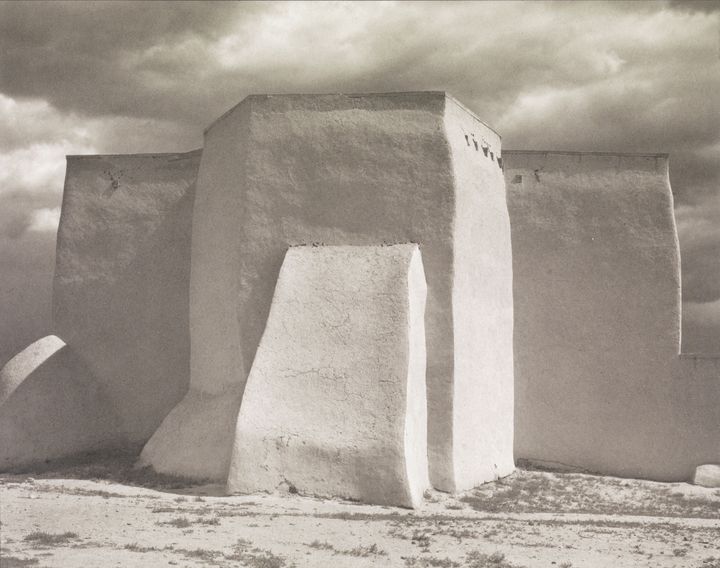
(135,547)
(421,538)
(320,545)
(200,553)
(461,534)
(256,557)
(48,539)
(15,562)
(163,510)
(178,523)
(476,559)
(430,562)
(364,551)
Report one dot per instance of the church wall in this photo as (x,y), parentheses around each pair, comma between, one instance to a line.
(482,304)
(120,298)
(290,170)
(695,412)
(597,312)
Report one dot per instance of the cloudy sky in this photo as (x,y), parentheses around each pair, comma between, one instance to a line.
(118,77)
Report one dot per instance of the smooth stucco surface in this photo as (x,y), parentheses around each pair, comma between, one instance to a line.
(335,403)
(593,273)
(287,170)
(120,297)
(597,312)
(51,406)
(707,475)
(482,306)
(24,363)
(695,415)
(205,424)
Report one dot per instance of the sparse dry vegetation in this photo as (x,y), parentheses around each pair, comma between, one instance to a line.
(461,534)
(359,551)
(177,522)
(316,544)
(200,554)
(79,491)
(430,562)
(475,533)
(41,538)
(135,547)
(364,551)
(538,492)
(255,557)
(476,559)
(16,562)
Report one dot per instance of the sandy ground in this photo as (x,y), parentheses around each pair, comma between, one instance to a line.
(106,514)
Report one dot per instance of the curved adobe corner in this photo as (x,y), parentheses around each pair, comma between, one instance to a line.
(51,406)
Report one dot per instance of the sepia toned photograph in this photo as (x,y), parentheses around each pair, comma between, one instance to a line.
(346,284)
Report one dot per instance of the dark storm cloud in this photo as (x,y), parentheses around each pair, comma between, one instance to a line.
(120,77)
(707,6)
(26,268)
(88,57)
(699,232)
(186,61)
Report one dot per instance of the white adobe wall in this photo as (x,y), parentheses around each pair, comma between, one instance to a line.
(120,296)
(482,304)
(335,403)
(597,312)
(339,170)
(695,416)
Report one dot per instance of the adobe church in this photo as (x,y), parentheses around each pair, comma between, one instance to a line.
(364,296)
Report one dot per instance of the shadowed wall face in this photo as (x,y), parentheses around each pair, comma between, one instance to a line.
(597,312)
(122,276)
(696,410)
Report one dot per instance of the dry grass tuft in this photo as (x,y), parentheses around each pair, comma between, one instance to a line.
(41,538)
(177,522)
(255,557)
(316,544)
(430,562)
(476,559)
(15,562)
(528,491)
(364,551)
(135,547)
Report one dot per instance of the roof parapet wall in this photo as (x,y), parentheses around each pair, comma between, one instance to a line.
(577,162)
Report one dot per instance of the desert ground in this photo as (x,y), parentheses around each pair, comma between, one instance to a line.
(99,511)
